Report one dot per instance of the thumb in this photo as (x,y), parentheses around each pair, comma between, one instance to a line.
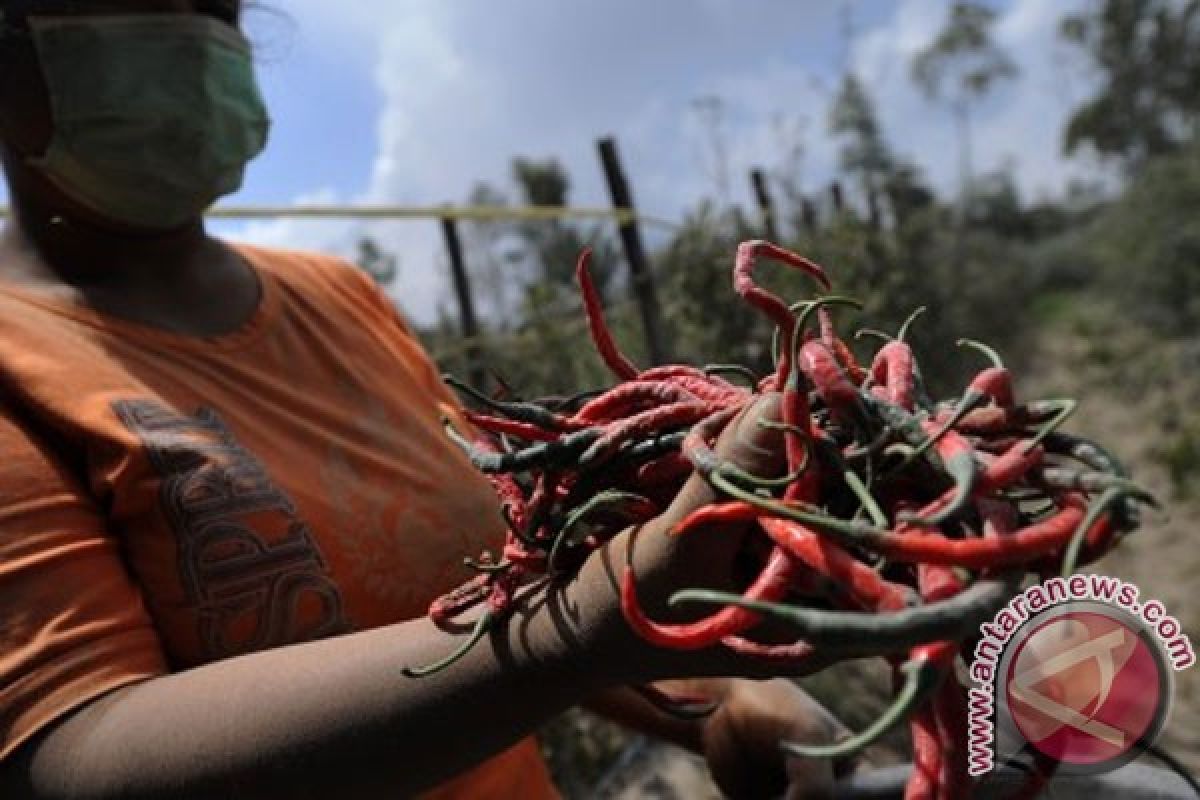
(666,563)
(756,448)
(752,445)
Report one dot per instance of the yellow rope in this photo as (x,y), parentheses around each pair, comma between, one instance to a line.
(473,213)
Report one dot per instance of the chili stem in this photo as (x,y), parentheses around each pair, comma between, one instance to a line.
(478,632)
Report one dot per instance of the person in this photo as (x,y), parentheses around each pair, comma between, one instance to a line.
(225,496)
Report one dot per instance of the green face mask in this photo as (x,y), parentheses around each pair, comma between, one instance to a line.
(155,116)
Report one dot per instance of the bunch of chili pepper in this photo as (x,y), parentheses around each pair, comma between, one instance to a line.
(900,525)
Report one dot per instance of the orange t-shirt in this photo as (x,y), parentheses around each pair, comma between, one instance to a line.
(167,501)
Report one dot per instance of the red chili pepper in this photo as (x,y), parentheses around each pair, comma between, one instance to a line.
(958,458)
(807,547)
(666,372)
(989,421)
(994,383)
(695,445)
(769,383)
(838,347)
(792,654)
(825,326)
(1011,466)
(939,583)
(459,599)
(835,390)
(503,589)
(511,427)
(892,368)
(797,423)
(863,584)
(710,388)
(771,585)
(541,499)
(642,424)
(712,392)
(1021,546)
(630,397)
(1000,473)
(516,553)
(715,515)
(748,254)
(845,357)
(513,504)
(950,709)
(926,756)
(512,500)
(778,311)
(621,366)
(938,654)
(1097,540)
(669,470)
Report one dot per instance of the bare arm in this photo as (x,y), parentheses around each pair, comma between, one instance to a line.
(335,714)
(338,715)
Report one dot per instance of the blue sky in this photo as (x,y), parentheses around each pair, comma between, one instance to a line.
(414,101)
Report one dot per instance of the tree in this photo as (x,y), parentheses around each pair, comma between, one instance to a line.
(376,262)
(864,152)
(788,131)
(906,192)
(1146,244)
(496,258)
(709,323)
(555,243)
(959,67)
(1148,55)
(545,349)
(710,113)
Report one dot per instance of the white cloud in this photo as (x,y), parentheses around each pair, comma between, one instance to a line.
(295,232)
(1019,125)
(467,86)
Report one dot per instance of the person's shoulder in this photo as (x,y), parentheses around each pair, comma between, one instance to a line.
(299,267)
(326,279)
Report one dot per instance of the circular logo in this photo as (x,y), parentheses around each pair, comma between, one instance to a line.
(1086,686)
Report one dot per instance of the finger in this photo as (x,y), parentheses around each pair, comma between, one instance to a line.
(751,445)
(663,563)
(742,741)
(809,779)
(745,442)
(812,778)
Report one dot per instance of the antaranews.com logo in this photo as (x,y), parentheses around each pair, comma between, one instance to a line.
(1078,670)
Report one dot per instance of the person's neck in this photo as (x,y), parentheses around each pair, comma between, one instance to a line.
(182,281)
(83,254)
